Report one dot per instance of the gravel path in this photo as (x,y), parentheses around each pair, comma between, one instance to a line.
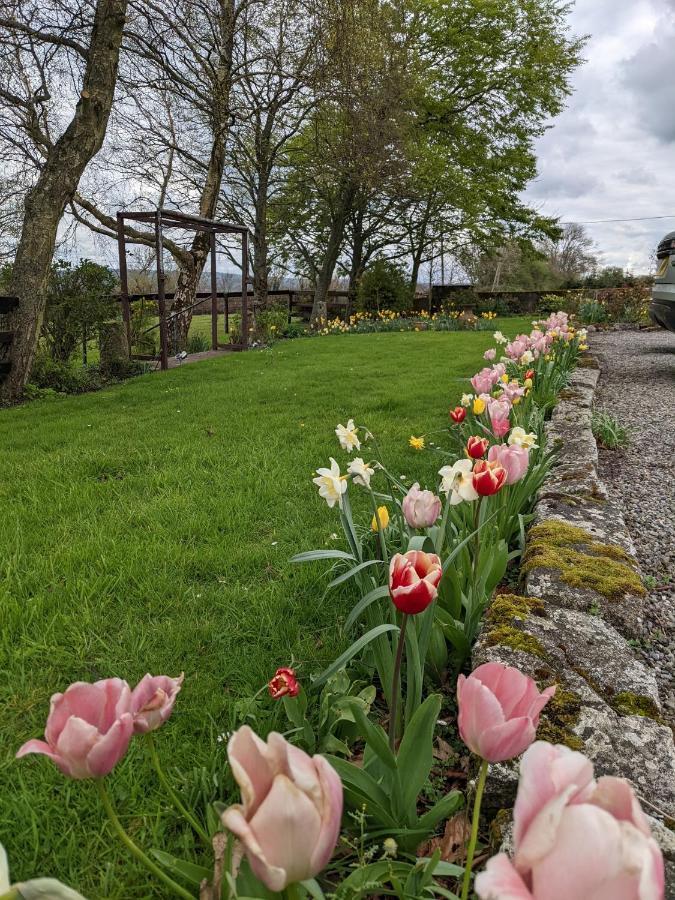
(637,385)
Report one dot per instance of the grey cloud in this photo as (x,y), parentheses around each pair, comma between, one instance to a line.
(648,75)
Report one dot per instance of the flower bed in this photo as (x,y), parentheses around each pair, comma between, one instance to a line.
(354,819)
(447,319)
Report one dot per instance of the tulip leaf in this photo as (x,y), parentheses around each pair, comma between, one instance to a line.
(377,593)
(350,573)
(421,542)
(192,873)
(358,645)
(415,754)
(312,555)
(413,672)
(450,592)
(313,889)
(373,735)
(362,789)
(443,809)
(365,877)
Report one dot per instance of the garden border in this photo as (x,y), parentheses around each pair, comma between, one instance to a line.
(582,604)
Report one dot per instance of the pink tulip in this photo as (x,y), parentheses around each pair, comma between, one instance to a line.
(420,508)
(289,818)
(152,701)
(490,354)
(574,837)
(482,381)
(499,711)
(513,458)
(499,412)
(510,391)
(88,728)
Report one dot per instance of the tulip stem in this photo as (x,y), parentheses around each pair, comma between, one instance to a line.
(395,684)
(173,796)
(471,849)
(133,848)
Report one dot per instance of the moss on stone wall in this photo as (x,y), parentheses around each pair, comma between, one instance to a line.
(504,610)
(627,703)
(582,561)
(560,715)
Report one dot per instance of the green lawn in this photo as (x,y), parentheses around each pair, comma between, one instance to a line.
(148,527)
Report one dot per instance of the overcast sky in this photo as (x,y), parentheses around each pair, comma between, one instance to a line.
(611,154)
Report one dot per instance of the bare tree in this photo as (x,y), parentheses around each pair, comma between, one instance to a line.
(571,255)
(32,47)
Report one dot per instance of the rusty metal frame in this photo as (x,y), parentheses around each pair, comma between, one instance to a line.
(169,218)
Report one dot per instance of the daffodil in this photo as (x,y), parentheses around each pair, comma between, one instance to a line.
(505,378)
(583,346)
(526,358)
(466,400)
(417,443)
(331,484)
(348,436)
(457,480)
(499,337)
(383,516)
(521,438)
(360,471)
(478,406)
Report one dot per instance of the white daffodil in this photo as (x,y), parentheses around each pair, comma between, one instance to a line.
(331,484)
(521,438)
(582,333)
(348,436)
(458,482)
(499,337)
(360,471)
(466,400)
(526,358)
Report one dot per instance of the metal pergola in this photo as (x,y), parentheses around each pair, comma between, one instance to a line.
(169,218)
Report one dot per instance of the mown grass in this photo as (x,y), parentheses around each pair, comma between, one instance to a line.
(148,527)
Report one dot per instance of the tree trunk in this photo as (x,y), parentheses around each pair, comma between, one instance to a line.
(357,261)
(56,186)
(190,271)
(260,245)
(334,244)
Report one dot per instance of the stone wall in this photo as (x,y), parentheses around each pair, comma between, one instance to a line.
(582,605)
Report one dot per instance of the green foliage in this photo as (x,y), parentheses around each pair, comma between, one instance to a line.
(198,343)
(591,312)
(271,322)
(383,285)
(78,301)
(63,377)
(609,433)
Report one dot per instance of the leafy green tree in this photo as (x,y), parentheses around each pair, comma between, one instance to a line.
(383,285)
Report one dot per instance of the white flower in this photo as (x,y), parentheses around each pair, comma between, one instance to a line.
(458,481)
(582,333)
(499,337)
(348,436)
(526,358)
(331,484)
(466,399)
(521,438)
(360,471)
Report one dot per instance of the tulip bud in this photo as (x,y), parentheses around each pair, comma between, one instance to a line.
(152,701)
(284,684)
(458,414)
(476,447)
(420,508)
(488,477)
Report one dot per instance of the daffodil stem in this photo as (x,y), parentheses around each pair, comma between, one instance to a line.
(380,530)
(173,796)
(133,848)
(12,894)
(471,849)
(396,684)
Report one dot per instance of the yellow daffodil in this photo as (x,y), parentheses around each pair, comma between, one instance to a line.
(583,346)
(417,443)
(383,516)
(504,378)
(478,406)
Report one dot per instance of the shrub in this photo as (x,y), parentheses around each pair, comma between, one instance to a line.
(609,433)
(63,377)
(198,343)
(271,322)
(384,285)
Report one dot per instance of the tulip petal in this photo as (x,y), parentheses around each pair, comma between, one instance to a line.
(35,746)
(507,740)
(330,812)
(273,877)
(500,881)
(287,824)
(251,767)
(617,797)
(478,710)
(74,745)
(111,746)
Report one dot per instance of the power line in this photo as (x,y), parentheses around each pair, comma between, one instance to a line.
(606,221)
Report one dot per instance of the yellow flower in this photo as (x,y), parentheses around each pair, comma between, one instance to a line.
(383,516)
(583,346)
(505,378)
(478,406)
(417,443)
(527,383)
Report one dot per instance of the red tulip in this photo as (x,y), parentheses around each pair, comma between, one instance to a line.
(458,414)
(488,477)
(284,684)
(530,373)
(499,710)
(477,446)
(413,580)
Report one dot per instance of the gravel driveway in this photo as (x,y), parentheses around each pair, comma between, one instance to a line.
(637,385)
